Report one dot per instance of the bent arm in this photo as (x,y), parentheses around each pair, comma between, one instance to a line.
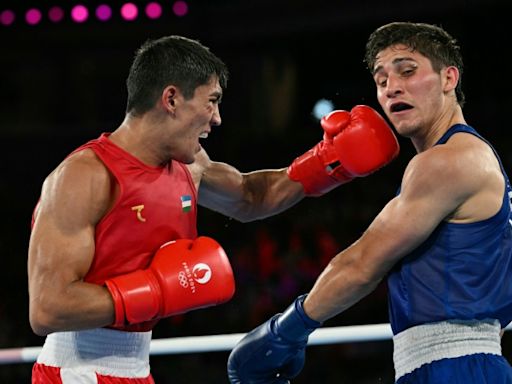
(245,196)
(430,193)
(74,198)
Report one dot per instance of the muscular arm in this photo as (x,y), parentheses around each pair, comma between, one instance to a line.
(354,144)
(244,196)
(74,198)
(431,192)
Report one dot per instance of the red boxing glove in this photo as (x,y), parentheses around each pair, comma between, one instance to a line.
(183,275)
(355,144)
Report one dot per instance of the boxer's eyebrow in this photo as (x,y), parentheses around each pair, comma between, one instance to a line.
(395,62)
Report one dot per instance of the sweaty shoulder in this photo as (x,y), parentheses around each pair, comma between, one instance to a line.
(80,186)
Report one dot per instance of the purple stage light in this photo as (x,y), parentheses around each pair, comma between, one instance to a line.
(129,11)
(55,14)
(153,10)
(33,16)
(180,8)
(103,12)
(7,17)
(79,13)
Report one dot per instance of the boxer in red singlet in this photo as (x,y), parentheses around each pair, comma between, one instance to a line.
(114,245)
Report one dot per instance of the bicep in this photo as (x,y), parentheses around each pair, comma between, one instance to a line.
(401,226)
(60,248)
(61,251)
(427,198)
(221,184)
(248,196)
(62,238)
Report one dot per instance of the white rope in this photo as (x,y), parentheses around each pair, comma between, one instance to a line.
(213,343)
(333,335)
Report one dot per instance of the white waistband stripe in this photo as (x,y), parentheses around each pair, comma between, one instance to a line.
(105,351)
(426,343)
(75,376)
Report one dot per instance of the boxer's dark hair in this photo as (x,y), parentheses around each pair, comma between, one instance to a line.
(431,41)
(170,60)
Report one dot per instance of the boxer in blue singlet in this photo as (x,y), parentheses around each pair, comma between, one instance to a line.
(450,298)
(444,242)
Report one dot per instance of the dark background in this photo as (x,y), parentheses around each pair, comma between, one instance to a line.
(63,84)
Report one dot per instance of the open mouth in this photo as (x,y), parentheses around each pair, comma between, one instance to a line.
(203,135)
(399,107)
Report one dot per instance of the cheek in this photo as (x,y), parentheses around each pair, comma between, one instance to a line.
(200,118)
(427,86)
(210,111)
(381,96)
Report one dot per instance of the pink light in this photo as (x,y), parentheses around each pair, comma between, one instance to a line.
(7,17)
(154,10)
(33,16)
(180,8)
(103,12)
(129,11)
(79,13)
(55,14)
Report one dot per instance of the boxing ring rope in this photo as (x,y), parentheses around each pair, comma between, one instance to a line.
(215,343)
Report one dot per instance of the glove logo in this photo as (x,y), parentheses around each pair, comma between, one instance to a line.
(182,277)
(202,273)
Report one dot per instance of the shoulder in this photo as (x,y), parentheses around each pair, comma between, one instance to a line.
(80,168)
(81,182)
(433,166)
(455,170)
(463,155)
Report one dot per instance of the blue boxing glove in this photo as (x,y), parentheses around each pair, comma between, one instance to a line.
(275,351)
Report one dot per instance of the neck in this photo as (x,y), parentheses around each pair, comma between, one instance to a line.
(438,128)
(134,135)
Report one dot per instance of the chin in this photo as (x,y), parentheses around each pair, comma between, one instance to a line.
(405,129)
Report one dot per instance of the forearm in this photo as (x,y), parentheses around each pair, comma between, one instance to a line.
(342,284)
(271,192)
(77,306)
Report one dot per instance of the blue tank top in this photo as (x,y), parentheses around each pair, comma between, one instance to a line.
(462,271)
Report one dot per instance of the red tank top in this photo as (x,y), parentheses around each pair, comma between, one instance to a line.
(155,205)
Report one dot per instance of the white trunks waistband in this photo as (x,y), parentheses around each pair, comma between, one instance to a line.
(106,351)
(426,343)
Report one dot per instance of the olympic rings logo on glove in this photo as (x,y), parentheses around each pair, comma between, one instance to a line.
(182,277)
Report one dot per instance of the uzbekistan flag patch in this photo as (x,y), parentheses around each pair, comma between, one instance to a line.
(186,203)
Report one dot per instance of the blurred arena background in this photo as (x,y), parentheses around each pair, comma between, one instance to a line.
(62,83)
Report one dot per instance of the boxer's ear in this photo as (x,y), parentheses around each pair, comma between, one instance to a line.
(169,98)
